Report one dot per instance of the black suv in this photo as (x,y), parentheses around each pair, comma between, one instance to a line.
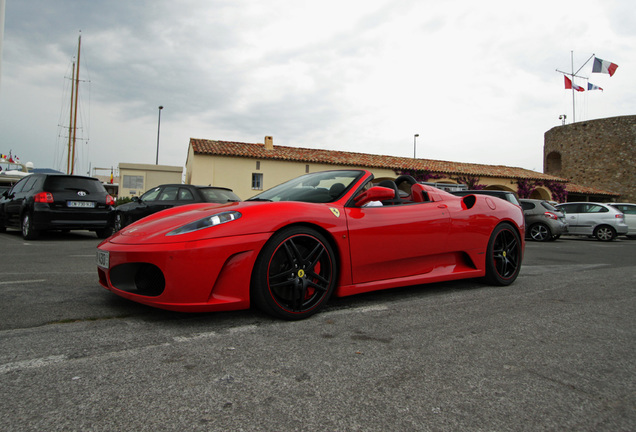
(41,202)
(505,195)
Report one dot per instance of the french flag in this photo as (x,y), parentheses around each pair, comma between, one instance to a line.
(604,66)
(569,85)
(591,86)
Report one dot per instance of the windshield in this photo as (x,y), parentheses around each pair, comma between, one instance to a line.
(321,187)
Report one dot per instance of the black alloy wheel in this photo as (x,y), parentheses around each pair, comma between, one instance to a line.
(294,274)
(540,232)
(503,258)
(28,233)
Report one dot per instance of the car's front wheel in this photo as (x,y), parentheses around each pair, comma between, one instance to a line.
(104,233)
(119,221)
(28,232)
(605,233)
(294,274)
(503,256)
(540,232)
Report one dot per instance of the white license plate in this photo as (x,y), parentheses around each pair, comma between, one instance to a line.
(103,258)
(81,204)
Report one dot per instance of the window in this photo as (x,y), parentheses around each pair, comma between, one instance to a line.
(594,208)
(169,193)
(134,182)
(257,181)
(258,165)
(185,195)
(151,195)
(306,168)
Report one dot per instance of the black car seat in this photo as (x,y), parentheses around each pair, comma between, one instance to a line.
(396,196)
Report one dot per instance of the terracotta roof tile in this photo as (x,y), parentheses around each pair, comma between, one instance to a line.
(586,190)
(258,151)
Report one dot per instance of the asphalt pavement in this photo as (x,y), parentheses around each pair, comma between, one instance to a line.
(554,351)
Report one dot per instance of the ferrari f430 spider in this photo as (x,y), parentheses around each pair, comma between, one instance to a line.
(288,249)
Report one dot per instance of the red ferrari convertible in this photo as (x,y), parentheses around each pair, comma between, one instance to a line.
(288,249)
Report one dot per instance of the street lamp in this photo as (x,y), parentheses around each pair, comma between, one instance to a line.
(414,140)
(158,129)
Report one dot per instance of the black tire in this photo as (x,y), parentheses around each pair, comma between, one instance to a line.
(28,233)
(604,233)
(503,257)
(295,274)
(104,233)
(540,232)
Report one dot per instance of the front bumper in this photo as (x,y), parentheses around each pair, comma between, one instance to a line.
(199,276)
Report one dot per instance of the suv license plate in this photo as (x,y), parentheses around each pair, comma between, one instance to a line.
(81,204)
(103,258)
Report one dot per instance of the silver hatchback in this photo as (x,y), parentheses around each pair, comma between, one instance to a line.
(543,221)
(594,219)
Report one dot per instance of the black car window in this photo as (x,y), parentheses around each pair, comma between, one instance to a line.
(18,186)
(185,194)
(571,208)
(595,208)
(169,193)
(548,206)
(151,195)
(28,185)
(66,183)
(527,205)
(218,195)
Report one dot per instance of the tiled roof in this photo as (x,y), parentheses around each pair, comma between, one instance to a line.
(586,190)
(258,151)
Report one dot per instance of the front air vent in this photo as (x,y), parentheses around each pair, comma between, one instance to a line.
(138,278)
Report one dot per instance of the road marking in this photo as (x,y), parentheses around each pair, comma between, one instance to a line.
(527,270)
(33,363)
(194,337)
(22,281)
(361,309)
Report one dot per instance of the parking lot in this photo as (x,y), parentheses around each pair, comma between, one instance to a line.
(554,351)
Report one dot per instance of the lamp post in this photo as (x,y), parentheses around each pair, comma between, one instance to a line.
(158,129)
(414,141)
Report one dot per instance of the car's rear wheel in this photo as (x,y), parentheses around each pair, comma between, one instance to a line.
(28,233)
(605,233)
(294,274)
(540,232)
(503,259)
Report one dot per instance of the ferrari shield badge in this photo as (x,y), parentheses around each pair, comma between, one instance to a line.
(335,211)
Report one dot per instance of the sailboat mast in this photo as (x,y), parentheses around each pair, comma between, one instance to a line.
(70,124)
(79,44)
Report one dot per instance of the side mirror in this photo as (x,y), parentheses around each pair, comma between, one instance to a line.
(135,199)
(376,193)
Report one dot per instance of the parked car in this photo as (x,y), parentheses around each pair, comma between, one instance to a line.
(44,202)
(288,249)
(506,195)
(543,221)
(594,219)
(629,211)
(167,196)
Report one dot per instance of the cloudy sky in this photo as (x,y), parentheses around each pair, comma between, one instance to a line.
(476,80)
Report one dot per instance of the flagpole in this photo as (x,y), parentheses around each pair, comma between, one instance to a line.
(573,104)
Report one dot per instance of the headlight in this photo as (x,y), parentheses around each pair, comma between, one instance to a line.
(207,222)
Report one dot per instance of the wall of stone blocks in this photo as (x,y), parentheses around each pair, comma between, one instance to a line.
(597,153)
